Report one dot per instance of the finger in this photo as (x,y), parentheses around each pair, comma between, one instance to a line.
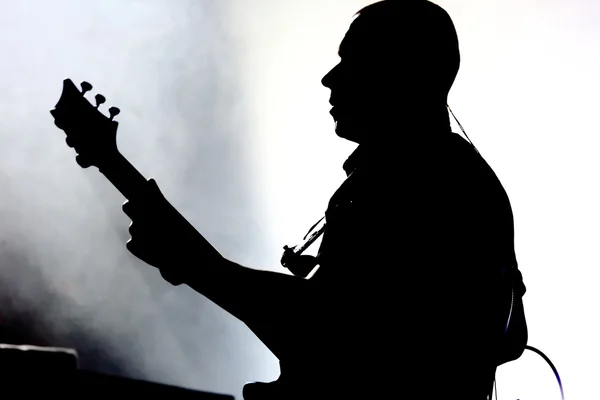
(172,277)
(151,192)
(153,186)
(83,162)
(138,206)
(147,235)
(73,140)
(144,235)
(132,229)
(131,246)
(137,250)
(59,122)
(132,210)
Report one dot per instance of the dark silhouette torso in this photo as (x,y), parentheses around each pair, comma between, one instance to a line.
(407,291)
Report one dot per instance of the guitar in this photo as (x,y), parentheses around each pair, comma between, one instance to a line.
(93,135)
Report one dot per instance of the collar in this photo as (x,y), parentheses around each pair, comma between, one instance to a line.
(354,160)
(411,139)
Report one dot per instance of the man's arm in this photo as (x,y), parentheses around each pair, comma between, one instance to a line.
(274,306)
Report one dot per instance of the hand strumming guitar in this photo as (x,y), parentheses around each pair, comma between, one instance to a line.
(161,237)
(298,264)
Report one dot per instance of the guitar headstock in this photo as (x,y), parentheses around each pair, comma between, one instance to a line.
(92,134)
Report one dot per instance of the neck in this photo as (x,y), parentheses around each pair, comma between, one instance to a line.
(408,125)
(431,119)
(123,175)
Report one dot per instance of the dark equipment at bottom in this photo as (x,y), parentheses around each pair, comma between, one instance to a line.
(49,371)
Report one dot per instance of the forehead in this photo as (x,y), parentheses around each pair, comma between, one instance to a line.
(353,39)
(366,36)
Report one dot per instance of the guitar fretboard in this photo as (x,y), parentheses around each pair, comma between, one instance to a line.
(124,176)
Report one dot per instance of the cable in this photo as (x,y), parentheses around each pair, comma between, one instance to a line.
(539,352)
(462,129)
(562,393)
(512,299)
(495,389)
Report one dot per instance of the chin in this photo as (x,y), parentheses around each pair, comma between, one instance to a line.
(347,132)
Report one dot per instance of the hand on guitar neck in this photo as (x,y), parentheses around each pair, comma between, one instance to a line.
(161,236)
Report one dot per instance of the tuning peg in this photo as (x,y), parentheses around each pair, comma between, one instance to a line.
(99,100)
(113,111)
(85,87)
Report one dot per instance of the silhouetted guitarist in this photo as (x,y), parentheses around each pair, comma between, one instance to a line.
(413,291)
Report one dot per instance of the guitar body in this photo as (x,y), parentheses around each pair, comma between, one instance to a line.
(289,386)
(266,391)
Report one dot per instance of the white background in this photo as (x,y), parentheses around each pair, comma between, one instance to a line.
(222,104)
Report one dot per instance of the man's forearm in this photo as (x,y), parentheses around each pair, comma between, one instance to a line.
(271,304)
(240,290)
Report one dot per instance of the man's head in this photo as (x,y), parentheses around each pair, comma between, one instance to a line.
(398,59)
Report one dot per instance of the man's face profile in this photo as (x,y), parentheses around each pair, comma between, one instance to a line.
(398,59)
(353,90)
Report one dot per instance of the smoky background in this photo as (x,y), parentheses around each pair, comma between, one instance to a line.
(221,103)
(67,279)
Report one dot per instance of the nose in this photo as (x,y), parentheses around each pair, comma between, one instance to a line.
(327,80)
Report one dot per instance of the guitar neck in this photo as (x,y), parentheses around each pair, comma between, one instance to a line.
(124,176)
